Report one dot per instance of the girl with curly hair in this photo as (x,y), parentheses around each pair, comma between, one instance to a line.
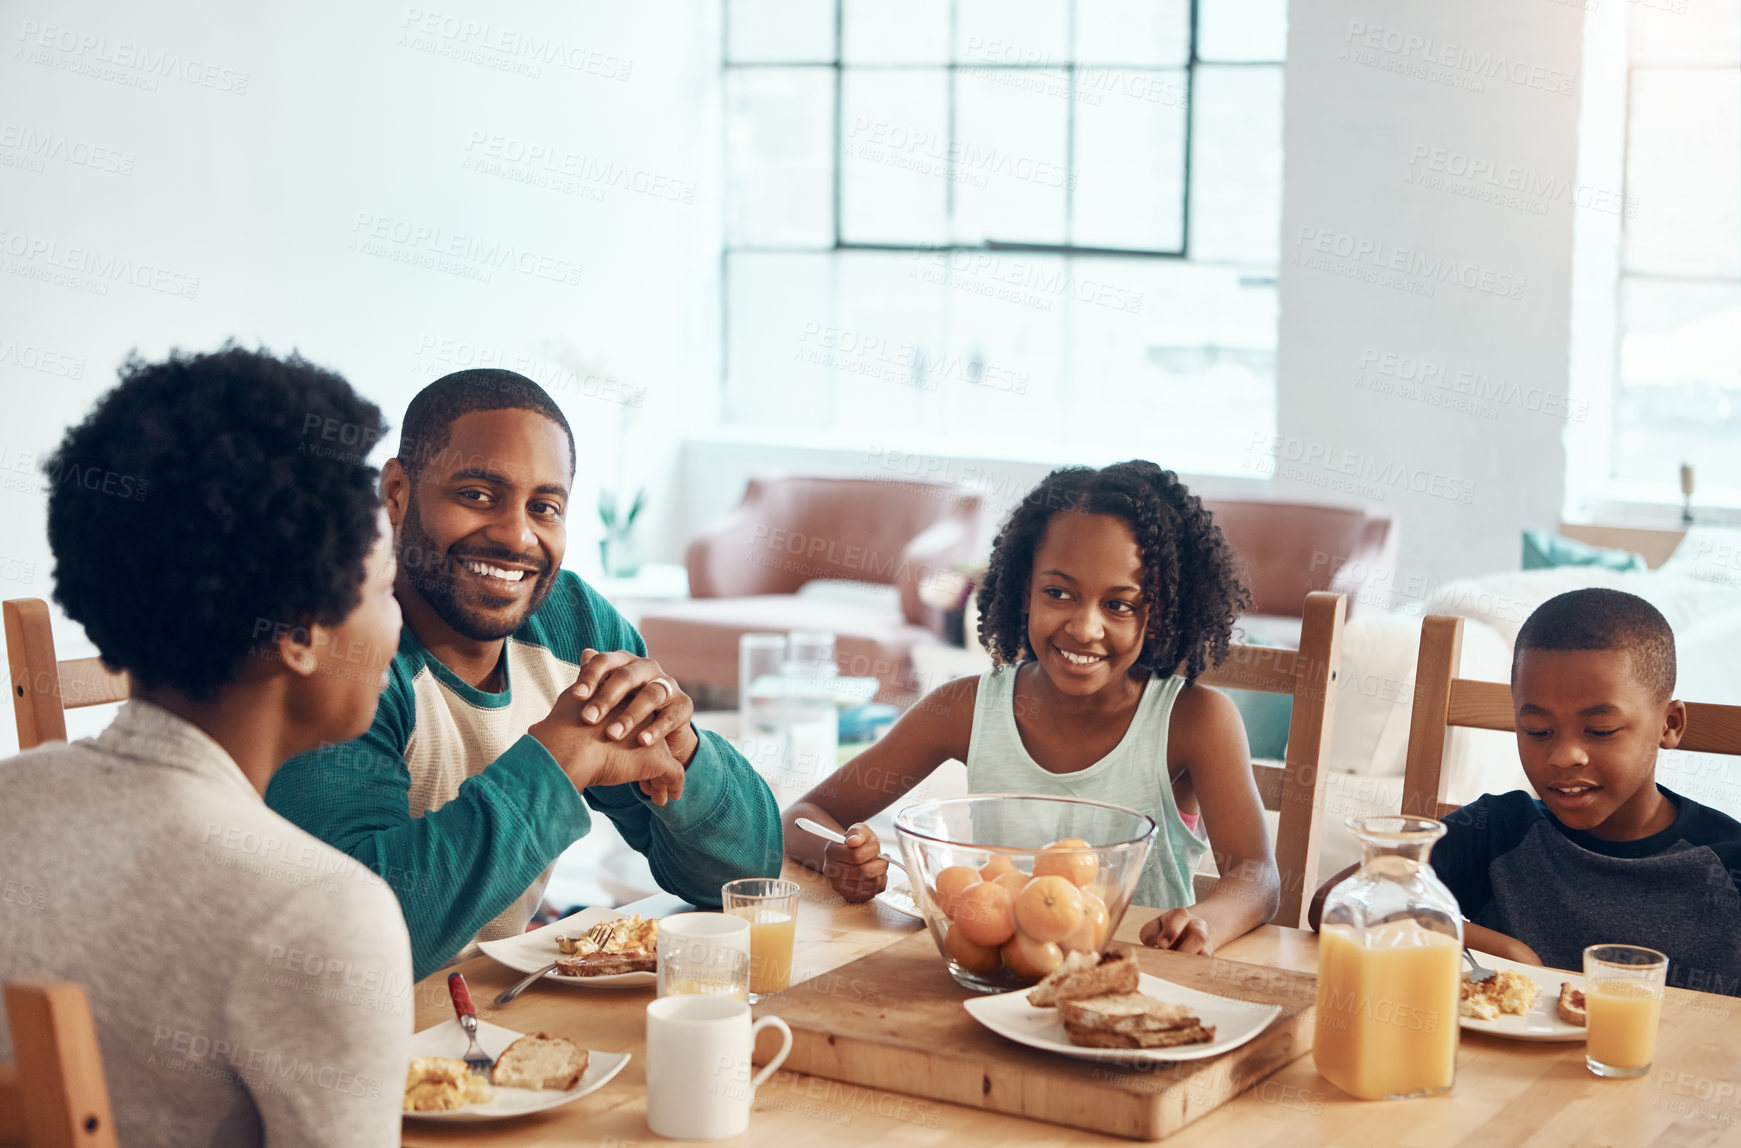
(1109,592)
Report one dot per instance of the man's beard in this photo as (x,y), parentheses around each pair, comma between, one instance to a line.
(431,572)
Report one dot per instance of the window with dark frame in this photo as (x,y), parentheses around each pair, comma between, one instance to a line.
(1053,135)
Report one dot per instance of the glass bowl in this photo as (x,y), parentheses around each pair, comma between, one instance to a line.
(1009,883)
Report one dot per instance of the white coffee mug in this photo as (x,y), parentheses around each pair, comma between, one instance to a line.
(700,940)
(699,1085)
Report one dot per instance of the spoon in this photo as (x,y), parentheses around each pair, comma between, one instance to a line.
(820,830)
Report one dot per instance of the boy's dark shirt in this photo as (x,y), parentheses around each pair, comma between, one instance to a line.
(1515,869)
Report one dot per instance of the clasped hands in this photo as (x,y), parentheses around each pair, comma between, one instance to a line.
(624,719)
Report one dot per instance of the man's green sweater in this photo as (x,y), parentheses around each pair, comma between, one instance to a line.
(462,812)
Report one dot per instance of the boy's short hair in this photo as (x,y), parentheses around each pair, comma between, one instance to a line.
(209,503)
(430,417)
(1602,619)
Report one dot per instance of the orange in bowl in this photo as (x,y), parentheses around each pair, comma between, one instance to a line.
(1062,859)
(997,867)
(1093,933)
(1031,959)
(986,913)
(974,958)
(1048,909)
(1015,882)
(951,883)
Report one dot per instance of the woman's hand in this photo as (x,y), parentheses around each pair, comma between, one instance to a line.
(1181,930)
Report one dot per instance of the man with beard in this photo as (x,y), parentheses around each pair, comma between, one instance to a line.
(517,699)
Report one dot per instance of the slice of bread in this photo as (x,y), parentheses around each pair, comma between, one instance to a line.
(1086,975)
(1125,1013)
(606,964)
(1169,1038)
(1571,1006)
(540,1060)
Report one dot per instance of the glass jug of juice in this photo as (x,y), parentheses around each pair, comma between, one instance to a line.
(1389,968)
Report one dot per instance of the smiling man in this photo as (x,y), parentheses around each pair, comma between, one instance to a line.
(518,697)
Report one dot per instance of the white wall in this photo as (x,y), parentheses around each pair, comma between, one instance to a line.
(1387,102)
(268,144)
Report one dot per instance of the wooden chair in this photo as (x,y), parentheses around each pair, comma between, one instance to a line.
(44,689)
(1295,789)
(1443,700)
(54,1095)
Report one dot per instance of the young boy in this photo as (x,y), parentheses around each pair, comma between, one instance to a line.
(1604,854)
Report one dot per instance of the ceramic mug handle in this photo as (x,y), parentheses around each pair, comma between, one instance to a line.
(779,1057)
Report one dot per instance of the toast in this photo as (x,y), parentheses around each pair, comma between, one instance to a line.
(1571,1005)
(631,948)
(1086,975)
(1169,1038)
(607,964)
(1125,1013)
(540,1060)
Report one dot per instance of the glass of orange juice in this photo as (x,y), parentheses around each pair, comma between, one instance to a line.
(1623,987)
(770,905)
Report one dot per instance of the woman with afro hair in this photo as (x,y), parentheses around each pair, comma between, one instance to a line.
(1109,592)
(218,533)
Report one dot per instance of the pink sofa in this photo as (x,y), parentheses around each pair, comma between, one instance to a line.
(1294,548)
(745,570)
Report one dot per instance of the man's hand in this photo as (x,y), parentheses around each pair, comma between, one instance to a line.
(589,757)
(607,680)
(1179,929)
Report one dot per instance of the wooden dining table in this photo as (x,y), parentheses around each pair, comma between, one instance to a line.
(1507,1092)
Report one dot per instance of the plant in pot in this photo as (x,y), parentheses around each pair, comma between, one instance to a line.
(616,550)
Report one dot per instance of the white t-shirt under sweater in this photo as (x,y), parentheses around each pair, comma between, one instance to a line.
(251,985)
(1133,774)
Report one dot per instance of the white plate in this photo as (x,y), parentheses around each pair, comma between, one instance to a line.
(898,895)
(529,952)
(1541,1022)
(448,1039)
(1010,1015)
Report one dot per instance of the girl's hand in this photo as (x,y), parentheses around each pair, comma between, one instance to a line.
(856,870)
(1179,929)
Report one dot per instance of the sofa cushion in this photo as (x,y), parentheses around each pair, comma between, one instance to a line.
(1543,549)
(696,641)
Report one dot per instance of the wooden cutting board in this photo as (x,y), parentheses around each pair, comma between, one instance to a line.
(894,1020)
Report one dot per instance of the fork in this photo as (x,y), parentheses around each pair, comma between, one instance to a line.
(598,935)
(818,829)
(1477,971)
(476,1059)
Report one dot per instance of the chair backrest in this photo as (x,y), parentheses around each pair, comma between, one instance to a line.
(1293,548)
(1443,700)
(42,688)
(54,1094)
(790,530)
(1296,789)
